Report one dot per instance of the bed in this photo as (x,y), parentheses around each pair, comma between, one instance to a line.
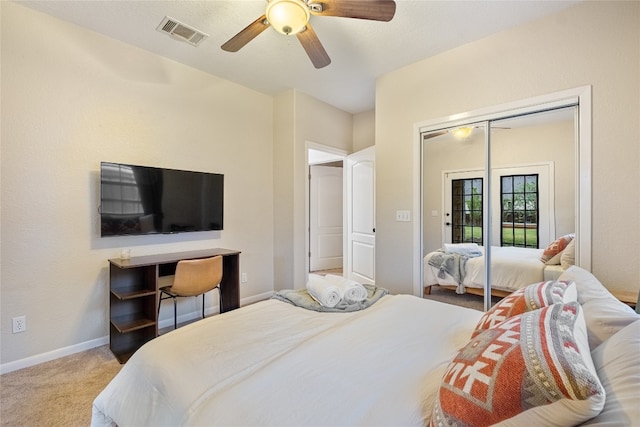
(273,363)
(511,268)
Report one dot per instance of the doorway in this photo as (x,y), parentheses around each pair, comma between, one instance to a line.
(325,208)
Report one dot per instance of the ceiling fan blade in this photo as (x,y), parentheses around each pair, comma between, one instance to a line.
(252,30)
(376,10)
(434,134)
(311,44)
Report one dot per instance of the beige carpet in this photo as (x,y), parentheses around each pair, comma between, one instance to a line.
(465,300)
(56,393)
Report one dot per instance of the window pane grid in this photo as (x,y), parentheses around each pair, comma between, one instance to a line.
(519,210)
(120,191)
(466,203)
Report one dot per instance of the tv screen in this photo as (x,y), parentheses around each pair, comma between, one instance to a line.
(137,200)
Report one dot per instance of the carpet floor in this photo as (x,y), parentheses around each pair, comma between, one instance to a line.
(465,300)
(56,393)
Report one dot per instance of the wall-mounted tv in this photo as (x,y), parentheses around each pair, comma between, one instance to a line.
(138,200)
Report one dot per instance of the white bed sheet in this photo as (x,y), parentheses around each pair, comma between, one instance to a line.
(511,269)
(271,363)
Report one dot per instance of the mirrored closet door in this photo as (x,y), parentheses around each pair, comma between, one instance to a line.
(495,193)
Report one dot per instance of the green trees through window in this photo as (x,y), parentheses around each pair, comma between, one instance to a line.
(519,210)
(466,221)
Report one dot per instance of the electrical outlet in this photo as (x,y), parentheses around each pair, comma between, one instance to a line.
(19,324)
(243,278)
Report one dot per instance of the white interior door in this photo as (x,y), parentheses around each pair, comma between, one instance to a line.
(325,217)
(360,219)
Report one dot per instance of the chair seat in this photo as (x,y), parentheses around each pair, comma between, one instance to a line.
(165,282)
(167,290)
(192,278)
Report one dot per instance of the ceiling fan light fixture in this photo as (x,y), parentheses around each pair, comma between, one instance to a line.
(287,16)
(462,132)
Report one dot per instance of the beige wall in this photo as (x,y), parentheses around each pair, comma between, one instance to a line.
(299,119)
(594,43)
(72,98)
(364,130)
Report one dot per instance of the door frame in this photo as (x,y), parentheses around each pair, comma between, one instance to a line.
(335,154)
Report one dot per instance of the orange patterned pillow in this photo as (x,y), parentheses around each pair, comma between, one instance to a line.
(529,298)
(555,248)
(533,369)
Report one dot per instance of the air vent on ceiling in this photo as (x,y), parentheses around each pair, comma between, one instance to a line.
(180,31)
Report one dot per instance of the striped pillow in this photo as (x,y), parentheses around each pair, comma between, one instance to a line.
(556,248)
(529,298)
(533,369)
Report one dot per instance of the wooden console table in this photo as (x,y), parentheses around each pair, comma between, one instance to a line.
(133,302)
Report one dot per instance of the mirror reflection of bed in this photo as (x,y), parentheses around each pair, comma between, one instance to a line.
(530,198)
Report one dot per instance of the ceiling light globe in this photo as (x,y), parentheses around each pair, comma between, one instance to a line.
(287,16)
(462,132)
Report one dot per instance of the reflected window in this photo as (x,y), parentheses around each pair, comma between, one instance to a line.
(466,210)
(519,210)
(120,195)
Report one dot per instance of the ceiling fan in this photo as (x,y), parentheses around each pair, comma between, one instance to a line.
(291,17)
(460,132)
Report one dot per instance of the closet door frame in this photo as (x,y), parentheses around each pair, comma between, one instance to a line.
(580,98)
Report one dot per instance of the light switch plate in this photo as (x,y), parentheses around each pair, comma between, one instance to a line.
(403,216)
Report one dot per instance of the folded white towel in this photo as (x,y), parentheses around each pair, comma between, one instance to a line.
(467,249)
(326,293)
(452,247)
(352,291)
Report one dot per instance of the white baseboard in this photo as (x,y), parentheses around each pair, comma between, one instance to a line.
(255,298)
(52,355)
(210,311)
(87,345)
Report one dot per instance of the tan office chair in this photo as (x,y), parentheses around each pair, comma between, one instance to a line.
(193,277)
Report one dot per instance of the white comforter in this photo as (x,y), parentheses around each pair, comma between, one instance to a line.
(511,269)
(271,363)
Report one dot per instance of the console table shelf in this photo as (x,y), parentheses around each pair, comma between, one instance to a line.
(131,323)
(124,295)
(134,293)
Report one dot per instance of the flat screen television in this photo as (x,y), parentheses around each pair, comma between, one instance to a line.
(139,200)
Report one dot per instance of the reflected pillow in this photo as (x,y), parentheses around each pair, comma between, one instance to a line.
(529,298)
(551,254)
(533,369)
(568,255)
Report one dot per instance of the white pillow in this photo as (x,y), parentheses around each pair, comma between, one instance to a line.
(605,314)
(616,363)
(568,255)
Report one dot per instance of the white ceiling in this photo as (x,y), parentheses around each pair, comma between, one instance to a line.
(360,50)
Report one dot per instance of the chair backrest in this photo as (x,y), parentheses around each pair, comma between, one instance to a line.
(197,276)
